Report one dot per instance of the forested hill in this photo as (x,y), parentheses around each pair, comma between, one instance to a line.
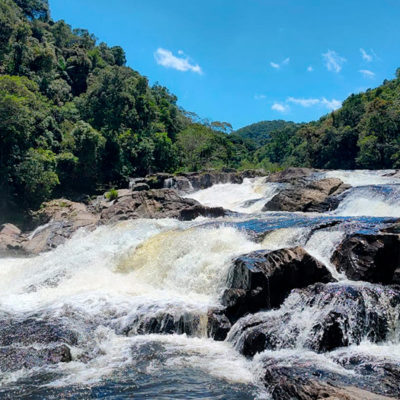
(74,119)
(260,131)
(364,133)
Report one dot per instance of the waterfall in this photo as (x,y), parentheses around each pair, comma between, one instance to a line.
(248,197)
(132,301)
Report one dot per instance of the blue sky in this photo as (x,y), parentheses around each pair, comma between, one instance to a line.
(243,61)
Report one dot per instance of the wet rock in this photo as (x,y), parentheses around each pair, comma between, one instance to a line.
(57,221)
(262,280)
(321,318)
(139,187)
(34,331)
(380,373)
(157,181)
(54,223)
(160,203)
(346,314)
(292,175)
(189,182)
(314,196)
(371,258)
(392,228)
(301,382)
(164,323)
(64,210)
(208,179)
(330,331)
(218,325)
(10,240)
(255,333)
(15,358)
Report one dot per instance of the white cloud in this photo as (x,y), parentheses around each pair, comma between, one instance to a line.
(181,52)
(260,96)
(367,73)
(310,68)
(331,104)
(280,107)
(366,57)
(168,60)
(303,102)
(333,61)
(275,65)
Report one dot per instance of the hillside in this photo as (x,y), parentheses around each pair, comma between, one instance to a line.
(364,133)
(75,119)
(259,132)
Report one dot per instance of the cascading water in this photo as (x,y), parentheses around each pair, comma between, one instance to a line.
(131,301)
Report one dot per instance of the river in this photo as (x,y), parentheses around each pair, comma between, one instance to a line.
(114,294)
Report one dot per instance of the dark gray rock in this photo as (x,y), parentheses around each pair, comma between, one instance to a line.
(302,381)
(262,280)
(138,187)
(157,203)
(34,330)
(218,325)
(371,258)
(314,196)
(325,317)
(292,175)
(163,323)
(15,358)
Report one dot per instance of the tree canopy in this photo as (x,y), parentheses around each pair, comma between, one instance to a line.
(75,119)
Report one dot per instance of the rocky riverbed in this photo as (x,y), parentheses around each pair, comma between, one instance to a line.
(221,285)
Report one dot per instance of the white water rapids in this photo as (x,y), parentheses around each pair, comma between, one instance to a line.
(106,282)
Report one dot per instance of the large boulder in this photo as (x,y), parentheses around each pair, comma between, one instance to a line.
(373,258)
(292,175)
(57,221)
(262,280)
(34,330)
(10,240)
(156,203)
(33,342)
(15,358)
(218,325)
(321,318)
(303,381)
(54,223)
(314,196)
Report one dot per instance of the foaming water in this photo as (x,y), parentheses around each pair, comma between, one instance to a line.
(321,245)
(248,197)
(378,201)
(119,282)
(296,324)
(285,238)
(365,177)
(151,366)
(154,260)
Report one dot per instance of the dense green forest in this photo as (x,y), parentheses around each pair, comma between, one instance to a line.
(364,133)
(260,131)
(74,119)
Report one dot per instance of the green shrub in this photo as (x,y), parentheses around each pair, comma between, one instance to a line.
(112,195)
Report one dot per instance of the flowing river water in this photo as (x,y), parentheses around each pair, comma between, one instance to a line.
(107,293)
